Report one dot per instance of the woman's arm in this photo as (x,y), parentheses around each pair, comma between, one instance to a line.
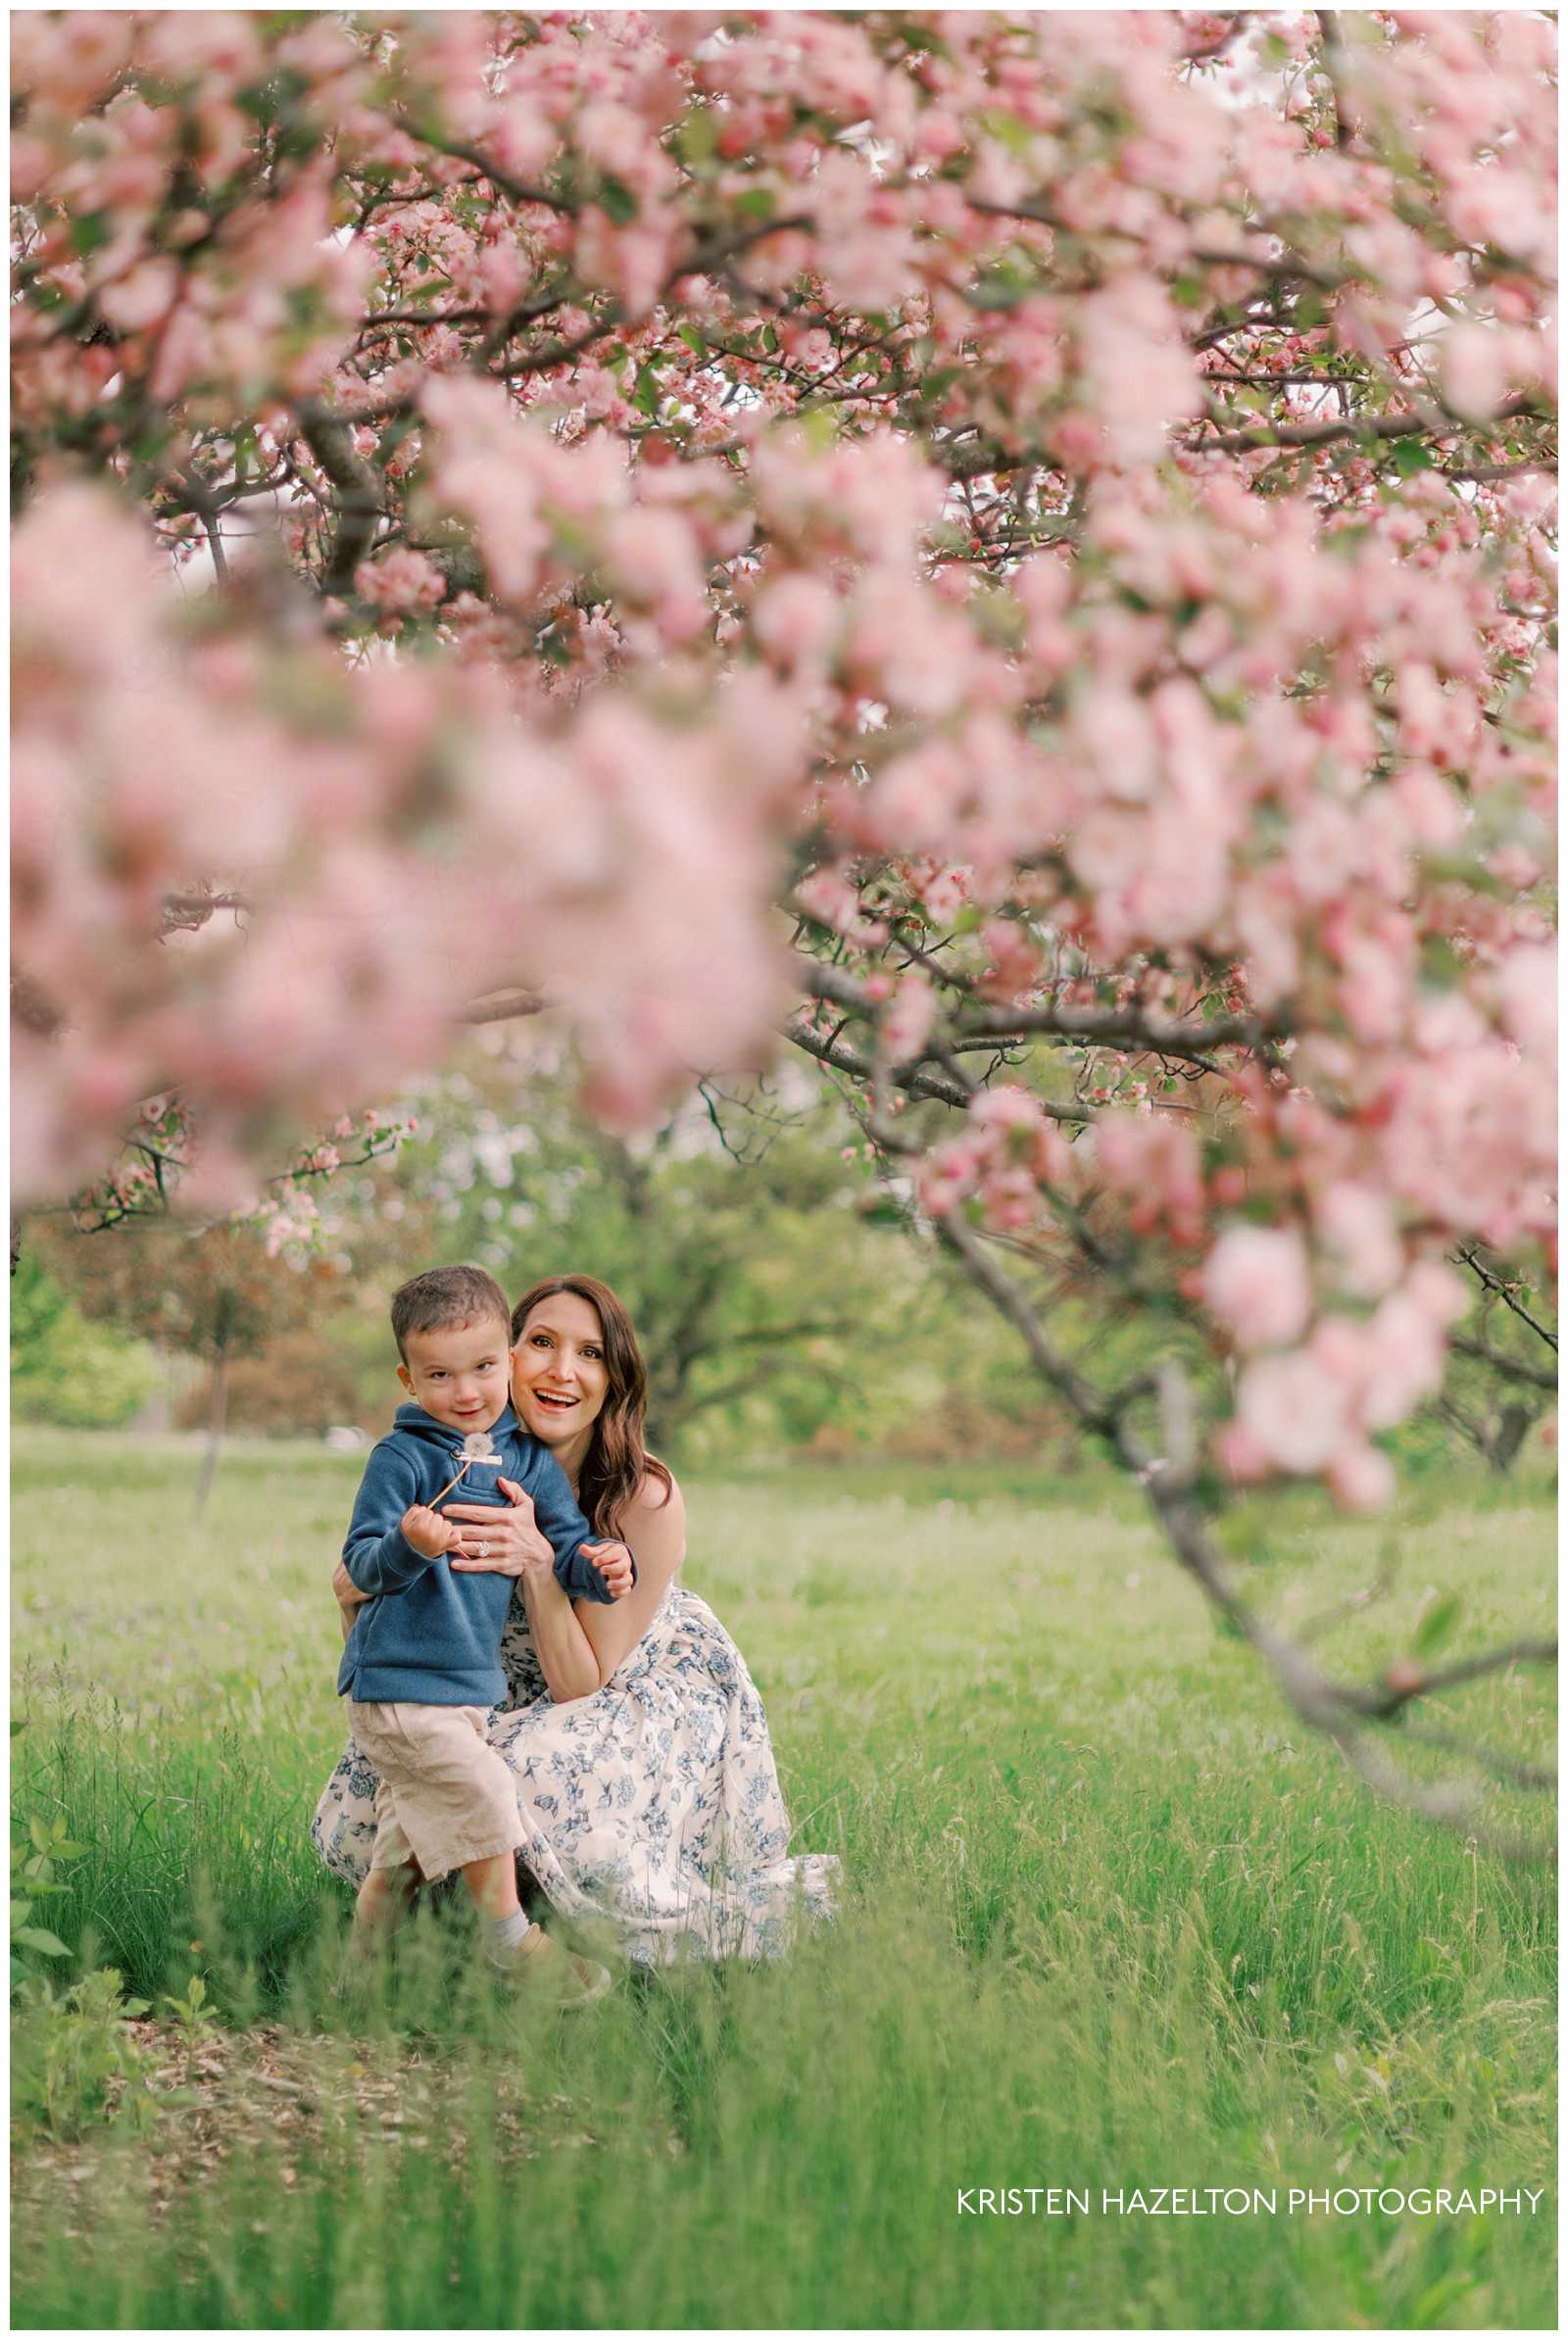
(349,1599)
(581,1643)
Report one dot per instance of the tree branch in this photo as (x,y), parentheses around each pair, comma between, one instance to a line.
(1385,1698)
(1111,1026)
(1364,426)
(497,1007)
(1339,1710)
(912,1079)
(1495,1283)
(330,439)
(1335,71)
(1511,1369)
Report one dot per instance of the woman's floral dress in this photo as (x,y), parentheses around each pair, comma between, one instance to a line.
(653,1805)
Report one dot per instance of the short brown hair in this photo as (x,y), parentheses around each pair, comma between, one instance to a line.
(442,1297)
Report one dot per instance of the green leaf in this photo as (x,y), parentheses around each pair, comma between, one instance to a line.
(918,36)
(618,201)
(66,1849)
(1009,130)
(694,338)
(39,1939)
(757,202)
(89,232)
(645,398)
(1412,456)
(1441,967)
(1003,287)
(697,136)
(1436,1622)
(40,1834)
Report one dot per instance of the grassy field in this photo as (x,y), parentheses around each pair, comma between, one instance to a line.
(1111,1920)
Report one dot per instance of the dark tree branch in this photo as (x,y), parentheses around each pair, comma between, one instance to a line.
(912,1079)
(184,913)
(1109,1026)
(497,1007)
(1335,69)
(1511,1369)
(1478,1267)
(1385,1698)
(1339,1710)
(1364,426)
(360,506)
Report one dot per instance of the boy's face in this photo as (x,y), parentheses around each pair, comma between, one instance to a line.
(460,1374)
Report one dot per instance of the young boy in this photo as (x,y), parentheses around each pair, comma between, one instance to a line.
(422,1666)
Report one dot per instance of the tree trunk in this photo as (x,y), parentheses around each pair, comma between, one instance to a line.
(1507,1436)
(217,1408)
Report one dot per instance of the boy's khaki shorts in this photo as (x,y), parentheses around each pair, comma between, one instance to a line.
(445,1796)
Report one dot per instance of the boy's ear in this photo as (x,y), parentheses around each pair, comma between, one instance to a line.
(406,1377)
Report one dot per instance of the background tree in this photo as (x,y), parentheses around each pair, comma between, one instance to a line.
(217,1296)
(1029,539)
(745,1263)
(64,1369)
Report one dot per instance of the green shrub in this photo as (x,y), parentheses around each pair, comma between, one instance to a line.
(75,2059)
(65,1370)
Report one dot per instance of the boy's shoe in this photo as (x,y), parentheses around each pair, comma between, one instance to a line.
(559,1977)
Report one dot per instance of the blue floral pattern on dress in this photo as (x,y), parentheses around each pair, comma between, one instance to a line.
(653,1806)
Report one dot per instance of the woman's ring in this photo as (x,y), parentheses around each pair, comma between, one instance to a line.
(484,1550)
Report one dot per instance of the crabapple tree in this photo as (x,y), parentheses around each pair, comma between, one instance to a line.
(1012,550)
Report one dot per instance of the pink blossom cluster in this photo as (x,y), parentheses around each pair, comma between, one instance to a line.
(1009,1152)
(393,847)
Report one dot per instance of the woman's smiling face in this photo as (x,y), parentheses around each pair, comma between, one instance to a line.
(559,1379)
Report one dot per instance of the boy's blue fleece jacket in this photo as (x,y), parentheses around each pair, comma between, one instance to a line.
(427,1637)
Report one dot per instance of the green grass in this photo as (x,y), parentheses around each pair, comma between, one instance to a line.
(1112,1918)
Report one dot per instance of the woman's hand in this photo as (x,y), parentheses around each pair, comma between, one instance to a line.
(502,1543)
(349,1599)
(345,1592)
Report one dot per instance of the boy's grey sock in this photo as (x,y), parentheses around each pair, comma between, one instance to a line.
(507,1935)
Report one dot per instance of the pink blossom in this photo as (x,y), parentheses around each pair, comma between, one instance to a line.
(141,297)
(907,1024)
(1255,1281)
(1356,1227)
(796,618)
(1408,1349)
(403,580)
(1527,988)
(1292,1409)
(1361,1478)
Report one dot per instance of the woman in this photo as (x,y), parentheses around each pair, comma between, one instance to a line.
(645,1777)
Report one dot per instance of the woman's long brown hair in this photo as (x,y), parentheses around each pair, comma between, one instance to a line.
(617,1462)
